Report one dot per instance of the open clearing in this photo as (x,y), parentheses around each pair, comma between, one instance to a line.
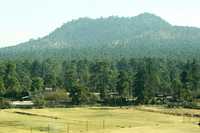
(94,120)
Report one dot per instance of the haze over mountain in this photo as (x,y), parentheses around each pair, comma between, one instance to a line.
(145,35)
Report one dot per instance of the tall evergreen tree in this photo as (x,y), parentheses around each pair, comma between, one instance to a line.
(2,87)
(123,84)
(12,84)
(36,69)
(101,78)
(139,84)
(69,75)
(37,85)
(48,73)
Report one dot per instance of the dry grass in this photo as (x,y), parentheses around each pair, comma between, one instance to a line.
(94,120)
(173,111)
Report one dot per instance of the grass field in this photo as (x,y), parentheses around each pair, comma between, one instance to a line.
(93,120)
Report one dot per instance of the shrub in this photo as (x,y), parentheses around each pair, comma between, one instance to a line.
(39,101)
(56,96)
(4,104)
(93,99)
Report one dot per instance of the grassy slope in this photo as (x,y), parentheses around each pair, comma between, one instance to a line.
(116,121)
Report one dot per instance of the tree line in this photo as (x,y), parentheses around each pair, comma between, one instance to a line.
(116,81)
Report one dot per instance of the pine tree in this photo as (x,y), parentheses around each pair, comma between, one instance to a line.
(2,87)
(123,84)
(37,84)
(69,75)
(12,84)
(102,78)
(139,84)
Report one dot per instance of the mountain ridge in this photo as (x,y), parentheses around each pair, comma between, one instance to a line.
(125,34)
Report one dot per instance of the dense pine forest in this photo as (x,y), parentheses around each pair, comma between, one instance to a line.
(109,82)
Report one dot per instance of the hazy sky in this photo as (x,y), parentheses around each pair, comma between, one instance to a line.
(21,20)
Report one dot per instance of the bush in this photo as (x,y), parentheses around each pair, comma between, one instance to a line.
(93,99)
(56,98)
(4,104)
(39,101)
(79,95)
(118,101)
(191,105)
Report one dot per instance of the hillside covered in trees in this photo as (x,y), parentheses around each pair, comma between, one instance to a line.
(145,35)
(113,61)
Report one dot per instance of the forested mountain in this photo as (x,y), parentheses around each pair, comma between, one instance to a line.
(142,60)
(145,35)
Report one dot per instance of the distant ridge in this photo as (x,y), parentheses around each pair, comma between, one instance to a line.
(145,35)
